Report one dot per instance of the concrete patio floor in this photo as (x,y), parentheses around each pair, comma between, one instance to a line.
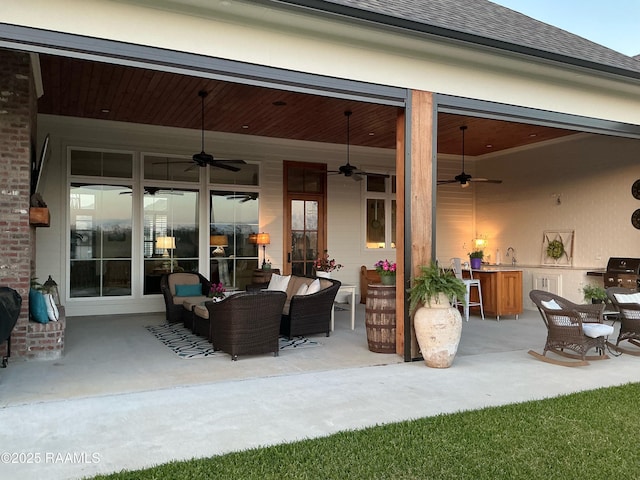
(119,399)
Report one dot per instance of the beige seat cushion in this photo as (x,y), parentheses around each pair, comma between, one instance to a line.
(201,311)
(193,300)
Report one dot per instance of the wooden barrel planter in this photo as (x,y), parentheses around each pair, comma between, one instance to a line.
(380,318)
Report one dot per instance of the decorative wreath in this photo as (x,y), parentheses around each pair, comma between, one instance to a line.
(555,249)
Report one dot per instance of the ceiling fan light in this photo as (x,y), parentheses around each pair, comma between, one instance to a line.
(464,184)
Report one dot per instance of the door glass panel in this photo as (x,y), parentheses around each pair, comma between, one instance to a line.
(297,215)
(304,236)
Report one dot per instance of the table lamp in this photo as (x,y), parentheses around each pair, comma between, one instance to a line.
(263,239)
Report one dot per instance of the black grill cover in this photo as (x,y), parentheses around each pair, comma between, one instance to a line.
(10,304)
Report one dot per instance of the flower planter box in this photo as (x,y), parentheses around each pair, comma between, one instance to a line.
(39,216)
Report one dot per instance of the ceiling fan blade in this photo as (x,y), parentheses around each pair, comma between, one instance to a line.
(486,180)
(446,182)
(224,166)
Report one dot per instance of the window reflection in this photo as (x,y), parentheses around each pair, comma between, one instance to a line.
(170,234)
(233,222)
(100,240)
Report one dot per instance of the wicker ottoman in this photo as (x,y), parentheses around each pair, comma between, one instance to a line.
(201,325)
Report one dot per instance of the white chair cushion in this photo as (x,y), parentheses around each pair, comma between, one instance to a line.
(551,304)
(279,282)
(595,330)
(314,287)
(627,297)
(302,290)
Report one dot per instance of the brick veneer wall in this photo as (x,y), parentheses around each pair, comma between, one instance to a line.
(18,117)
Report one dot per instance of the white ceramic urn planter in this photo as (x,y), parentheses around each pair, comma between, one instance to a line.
(438,328)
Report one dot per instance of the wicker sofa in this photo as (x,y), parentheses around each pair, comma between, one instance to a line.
(306,314)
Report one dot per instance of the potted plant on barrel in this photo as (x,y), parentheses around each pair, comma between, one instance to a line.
(387,272)
(437,324)
(475,258)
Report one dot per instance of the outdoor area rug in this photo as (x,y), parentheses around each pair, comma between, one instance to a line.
(184,343)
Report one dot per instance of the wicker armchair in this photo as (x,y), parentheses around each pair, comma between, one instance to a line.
(310,314)
(627,302)
(570,327)
(173,303)
(246,323)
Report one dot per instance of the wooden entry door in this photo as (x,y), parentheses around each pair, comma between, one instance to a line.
(305,215)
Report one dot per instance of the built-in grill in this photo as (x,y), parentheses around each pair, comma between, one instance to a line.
(623,272)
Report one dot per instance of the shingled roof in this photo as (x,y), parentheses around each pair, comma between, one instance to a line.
(485,23)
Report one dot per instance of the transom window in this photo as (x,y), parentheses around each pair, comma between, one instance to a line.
(380,212)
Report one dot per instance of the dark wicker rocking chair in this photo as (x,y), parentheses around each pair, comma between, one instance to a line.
(629,316)
(565,322)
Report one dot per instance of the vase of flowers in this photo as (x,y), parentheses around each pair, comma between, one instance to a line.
(387,272)
(216,292)
(323,265)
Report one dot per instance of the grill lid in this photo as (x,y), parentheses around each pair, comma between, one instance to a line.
(624,265)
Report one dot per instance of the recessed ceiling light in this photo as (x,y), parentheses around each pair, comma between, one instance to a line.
(105,110)
(245,126)
(371,134)
(488,145)
(533,135)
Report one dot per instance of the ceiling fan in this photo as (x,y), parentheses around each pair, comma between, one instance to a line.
(349,170)
(203,159)
(464,178)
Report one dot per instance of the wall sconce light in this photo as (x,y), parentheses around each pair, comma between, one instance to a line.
(167,243)
(218,241)
(263,239)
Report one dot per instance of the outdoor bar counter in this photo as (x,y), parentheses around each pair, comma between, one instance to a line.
(501,290)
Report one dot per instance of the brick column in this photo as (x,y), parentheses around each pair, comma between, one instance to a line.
(18,110)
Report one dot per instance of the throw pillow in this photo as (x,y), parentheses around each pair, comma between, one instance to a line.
(38,307)
(314,287)
(52,308)
(551,304)
(193,290)
(627,297)
(279,282)
(302,290)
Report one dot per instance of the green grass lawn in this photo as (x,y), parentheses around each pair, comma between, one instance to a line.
(587,435)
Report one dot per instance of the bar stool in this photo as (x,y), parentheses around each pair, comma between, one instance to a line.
(456,265)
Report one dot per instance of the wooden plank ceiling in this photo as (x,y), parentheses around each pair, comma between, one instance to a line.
(83,88)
